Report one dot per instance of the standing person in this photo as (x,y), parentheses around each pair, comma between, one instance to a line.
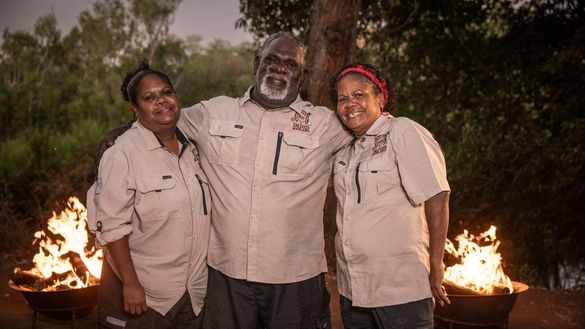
(392,211)
(149,208)
(268,156)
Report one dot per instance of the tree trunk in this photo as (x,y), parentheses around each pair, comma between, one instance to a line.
(331,45)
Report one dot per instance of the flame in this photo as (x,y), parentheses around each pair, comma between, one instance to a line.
(480,268)
(58,258)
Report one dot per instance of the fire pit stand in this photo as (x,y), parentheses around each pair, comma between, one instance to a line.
(479,310)
(70,304)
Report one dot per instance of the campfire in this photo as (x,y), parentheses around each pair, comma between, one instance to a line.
(481,294)
(480,270)
(63,282)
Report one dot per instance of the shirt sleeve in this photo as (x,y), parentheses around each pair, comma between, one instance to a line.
(192,120)
(421,163)
(336,133)
(113,197)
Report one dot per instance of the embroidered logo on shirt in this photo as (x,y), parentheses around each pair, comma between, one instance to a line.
(195,155)
(301,121)
(380,143)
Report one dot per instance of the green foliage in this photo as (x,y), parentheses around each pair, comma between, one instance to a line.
(502,88)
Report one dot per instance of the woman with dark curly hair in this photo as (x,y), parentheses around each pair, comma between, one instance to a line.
(392,210)
(149,209)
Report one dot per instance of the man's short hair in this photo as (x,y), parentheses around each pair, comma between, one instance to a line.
(277,35)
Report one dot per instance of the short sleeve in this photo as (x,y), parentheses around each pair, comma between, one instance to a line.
(336,134)
(113,198)
(192,119)
(421,163)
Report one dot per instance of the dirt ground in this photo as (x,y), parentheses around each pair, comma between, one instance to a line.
(534,309)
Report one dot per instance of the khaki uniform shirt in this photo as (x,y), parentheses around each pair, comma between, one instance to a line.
(268,171)
(381,182)
(161,202)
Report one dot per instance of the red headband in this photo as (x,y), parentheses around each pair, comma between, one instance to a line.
(360,69)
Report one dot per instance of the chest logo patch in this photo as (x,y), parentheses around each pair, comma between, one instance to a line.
(301,121)
(195,155)
(380,143)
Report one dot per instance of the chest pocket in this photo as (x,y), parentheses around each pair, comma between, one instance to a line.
(153,193)
(294,154)
(381,176)
(225,138)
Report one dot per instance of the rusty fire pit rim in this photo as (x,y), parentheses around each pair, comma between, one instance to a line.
(17,287)
(519,287)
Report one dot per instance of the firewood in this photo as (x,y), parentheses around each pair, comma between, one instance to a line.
(79,266)
(453,288)
(22,277)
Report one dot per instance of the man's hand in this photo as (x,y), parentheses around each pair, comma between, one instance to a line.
(436,279)
(134,299)
(108,140)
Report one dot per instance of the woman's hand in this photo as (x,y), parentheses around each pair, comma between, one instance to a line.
(437,214)
(436,279)
(134,299)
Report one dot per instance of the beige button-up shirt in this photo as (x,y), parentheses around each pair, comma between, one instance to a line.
(268,171)
(381,183)
(161,202)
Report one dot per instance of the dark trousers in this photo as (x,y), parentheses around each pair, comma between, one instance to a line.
(111,314)
(240,304)
(413,315)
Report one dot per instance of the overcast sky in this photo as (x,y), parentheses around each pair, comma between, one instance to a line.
(209,19)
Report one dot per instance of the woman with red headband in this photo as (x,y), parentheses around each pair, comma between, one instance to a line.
(392,211)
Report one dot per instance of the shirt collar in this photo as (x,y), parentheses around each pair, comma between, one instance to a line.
(152,140)
(298,105)
(379,125)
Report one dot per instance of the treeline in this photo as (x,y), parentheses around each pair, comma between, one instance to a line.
(59,93)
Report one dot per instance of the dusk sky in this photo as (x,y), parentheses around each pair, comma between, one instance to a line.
(209,19)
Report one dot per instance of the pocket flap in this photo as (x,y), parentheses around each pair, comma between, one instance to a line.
(300,140)
(377,166)
(226,129)
(155,183)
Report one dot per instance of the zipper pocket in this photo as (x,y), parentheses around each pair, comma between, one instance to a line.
(202,193)
(277,154)
(357,183)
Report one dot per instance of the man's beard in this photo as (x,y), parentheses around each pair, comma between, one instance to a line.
(273,94)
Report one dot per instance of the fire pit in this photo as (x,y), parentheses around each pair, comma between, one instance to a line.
(69,304)
(63,284)
(481,294)
(479,310)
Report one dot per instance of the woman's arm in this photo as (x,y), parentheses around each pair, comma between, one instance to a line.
(437,214)
(132,291)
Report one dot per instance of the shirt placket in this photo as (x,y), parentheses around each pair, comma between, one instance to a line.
(352,209)
(255,206)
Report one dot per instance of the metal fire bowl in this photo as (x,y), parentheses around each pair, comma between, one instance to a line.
(62,304)
(479,310)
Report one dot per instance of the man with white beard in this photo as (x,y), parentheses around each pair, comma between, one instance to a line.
(268,156)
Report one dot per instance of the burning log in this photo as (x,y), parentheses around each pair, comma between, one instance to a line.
(64,260)
(33,281)
(479,271)
(453,288)
(25,278)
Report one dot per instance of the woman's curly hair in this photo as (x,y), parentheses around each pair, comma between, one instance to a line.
(391,101)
